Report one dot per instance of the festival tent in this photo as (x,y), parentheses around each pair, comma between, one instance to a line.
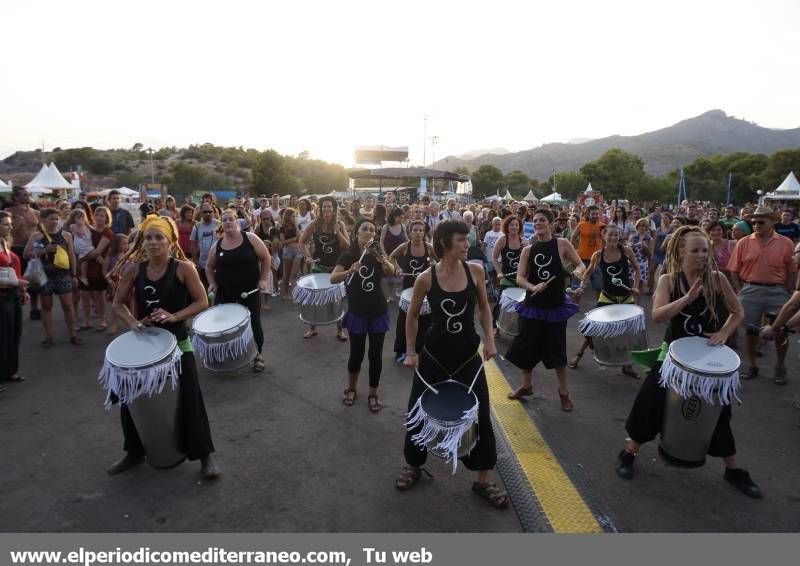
(788,190)
(530,197)
(553,197)
(48,179)
(508,196)
(123,191)
(4,188)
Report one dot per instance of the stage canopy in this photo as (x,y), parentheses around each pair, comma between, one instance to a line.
(407,173)
(376,154)
(4,188)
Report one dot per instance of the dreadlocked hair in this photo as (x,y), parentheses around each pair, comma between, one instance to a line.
(672,263)
(136,252)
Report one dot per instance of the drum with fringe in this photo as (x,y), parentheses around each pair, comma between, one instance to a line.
(615,330)
(222,337)
(508,317)
(321,302)
(141,370)
(405,302)
(699,379)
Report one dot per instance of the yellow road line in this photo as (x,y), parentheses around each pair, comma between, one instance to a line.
(559,499)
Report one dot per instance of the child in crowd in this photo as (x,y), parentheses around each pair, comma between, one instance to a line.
(82,241)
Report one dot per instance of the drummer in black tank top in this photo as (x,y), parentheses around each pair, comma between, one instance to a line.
(411,258)
(696,300)
(238,263)
(329,236)
(546,309)
(615,263)
(450,351)
(168,293)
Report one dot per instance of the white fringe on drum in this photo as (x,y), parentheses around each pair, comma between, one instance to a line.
(424,309)
(305,296)
(713,390)
(592,328)
(128,384)
(450,431)
(507,303)
(222,351)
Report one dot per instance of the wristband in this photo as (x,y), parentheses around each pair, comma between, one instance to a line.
(411,353)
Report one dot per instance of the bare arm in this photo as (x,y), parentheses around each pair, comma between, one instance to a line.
(421,287)
(522,269)
(663,308)
(211,265)
(264,257)
(587,274)
(498,247)
(569,255)
(187,274)
(124,286)
(478,275)
(27,253)
(637,272)
(735,312)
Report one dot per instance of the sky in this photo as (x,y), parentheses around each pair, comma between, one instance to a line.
(323,76)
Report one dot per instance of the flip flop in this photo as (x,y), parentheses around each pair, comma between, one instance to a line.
(341,336)
(309,334)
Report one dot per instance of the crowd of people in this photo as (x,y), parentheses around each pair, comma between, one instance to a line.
(730,271)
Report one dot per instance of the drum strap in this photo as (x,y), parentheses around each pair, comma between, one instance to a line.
(444,369)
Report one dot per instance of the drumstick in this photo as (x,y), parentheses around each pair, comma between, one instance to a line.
(366,249)
(248,293)
(546,283)
(428,385)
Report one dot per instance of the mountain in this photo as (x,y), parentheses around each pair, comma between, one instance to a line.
(663,150)
(473,153)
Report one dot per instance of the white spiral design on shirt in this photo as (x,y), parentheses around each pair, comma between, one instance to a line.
(417,265)
(452,327)
(366,283)
(326,242)
(616,280)
(542,274)
(513,259)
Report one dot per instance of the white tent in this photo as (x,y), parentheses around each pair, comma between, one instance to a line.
(123,191)
(530,197)
(5,188)
(788,190)
(47,179)
(508,196)
(552,197)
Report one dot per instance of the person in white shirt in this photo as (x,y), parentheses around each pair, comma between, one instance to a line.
(275,209)
(489,241)
(451,213)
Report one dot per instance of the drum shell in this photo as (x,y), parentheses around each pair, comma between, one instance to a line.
(229,364)
(615,351)
(468,441)
(508,322)
(321,315)
(157,420)
(687,429)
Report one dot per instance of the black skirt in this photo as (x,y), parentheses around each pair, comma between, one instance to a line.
(539,341)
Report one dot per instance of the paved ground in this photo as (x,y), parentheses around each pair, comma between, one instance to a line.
(296,460)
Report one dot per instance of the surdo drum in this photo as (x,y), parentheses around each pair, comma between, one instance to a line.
(699,379)
(141,369)
(405,302)
(508,318)
(321,302)
(222,337)
(615,330)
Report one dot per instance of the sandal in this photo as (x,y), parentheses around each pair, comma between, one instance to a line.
(101,328)
(17,378)
(627,370)
(75,341)
(409,477)
(340,335)
(83,327)
(491,493)
(258,364)
(374,404)
(573,363)
(521,391)
(309,334)
(47,343)
(349,397)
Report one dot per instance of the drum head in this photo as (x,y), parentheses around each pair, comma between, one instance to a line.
(315,281)
(515,294)
(141,348)
(615,313)
(694,354)
(220,318)
(450,403)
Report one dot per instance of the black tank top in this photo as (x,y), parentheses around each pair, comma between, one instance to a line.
(615,274)
(410,263)
(509,260)
(237,270)
(695,319)
(544,263)
(167,293)
(365,296)
(326,248)
(451,338)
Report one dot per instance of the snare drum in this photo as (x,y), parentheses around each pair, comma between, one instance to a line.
(699,379)
(448,419)
(615,331)
(508,318)
(142,369)
(405,302)
(321,302)
(223,337)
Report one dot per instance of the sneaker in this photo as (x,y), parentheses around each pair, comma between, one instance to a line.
(741,480)
(625,464)
(780,376)
(751,373)
(35,314)
(400,358)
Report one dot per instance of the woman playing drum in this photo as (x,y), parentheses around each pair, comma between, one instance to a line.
(505,259)
(239,263)
(453,287)
(167,291)
(330,238)
(695,300)
(615,262)
(411,258)
(362,268)
(546,309)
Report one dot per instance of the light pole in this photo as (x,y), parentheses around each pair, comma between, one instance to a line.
(434,141)
(152,171)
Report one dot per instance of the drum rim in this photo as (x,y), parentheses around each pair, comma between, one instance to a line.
(438,385)
(701,371)
(639,313)
(515,290)
(229,330)
(315,276)
(151,361)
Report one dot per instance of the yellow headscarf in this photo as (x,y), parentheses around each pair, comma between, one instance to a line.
(160,223)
